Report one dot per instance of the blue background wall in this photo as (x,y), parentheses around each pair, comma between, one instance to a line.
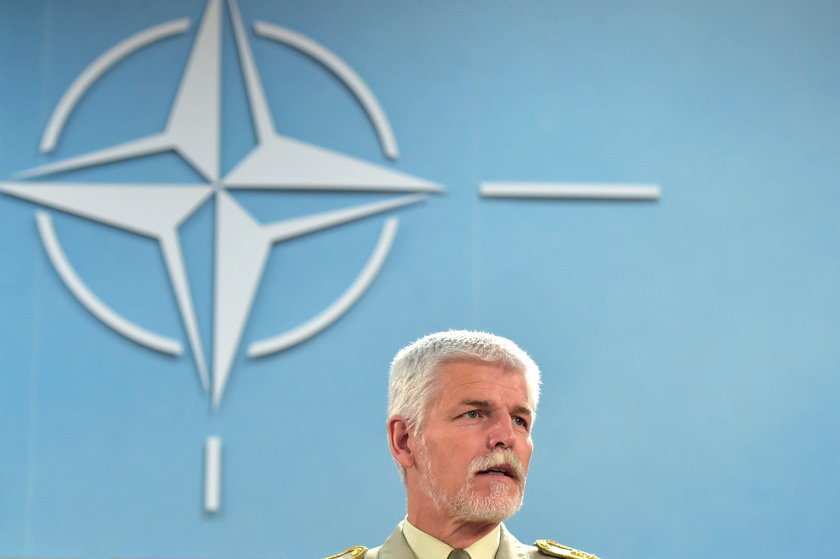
(689,346)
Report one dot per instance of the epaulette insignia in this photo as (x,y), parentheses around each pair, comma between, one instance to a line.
(350,553)
(554,549)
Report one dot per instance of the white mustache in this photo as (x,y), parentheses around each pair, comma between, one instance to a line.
(499,457)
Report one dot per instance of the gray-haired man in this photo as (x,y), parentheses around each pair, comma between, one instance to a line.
(461,407)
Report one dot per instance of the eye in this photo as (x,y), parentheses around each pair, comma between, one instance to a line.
(472,414)
(520,421)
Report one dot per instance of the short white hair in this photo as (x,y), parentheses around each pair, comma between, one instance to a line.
(415,368)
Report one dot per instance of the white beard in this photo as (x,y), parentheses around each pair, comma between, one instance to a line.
(502,502)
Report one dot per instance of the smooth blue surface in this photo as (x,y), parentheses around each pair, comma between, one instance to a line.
(689,346)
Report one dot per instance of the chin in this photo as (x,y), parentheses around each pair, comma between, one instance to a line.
(499,504)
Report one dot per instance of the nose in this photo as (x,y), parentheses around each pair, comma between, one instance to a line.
(501,433)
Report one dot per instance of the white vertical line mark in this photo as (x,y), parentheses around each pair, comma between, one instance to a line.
(570,190)
(212,474)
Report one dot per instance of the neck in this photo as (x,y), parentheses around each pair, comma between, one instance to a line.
(455,533)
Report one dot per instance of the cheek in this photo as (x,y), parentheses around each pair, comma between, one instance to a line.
(442,458)
(525,456)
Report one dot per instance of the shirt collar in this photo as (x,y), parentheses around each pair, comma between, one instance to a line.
(425,546)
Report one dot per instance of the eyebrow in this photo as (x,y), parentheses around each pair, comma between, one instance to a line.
(484,404)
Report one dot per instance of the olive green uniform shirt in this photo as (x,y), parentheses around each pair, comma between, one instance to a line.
(425,546)
(396,547)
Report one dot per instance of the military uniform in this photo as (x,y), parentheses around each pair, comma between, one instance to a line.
(396,547)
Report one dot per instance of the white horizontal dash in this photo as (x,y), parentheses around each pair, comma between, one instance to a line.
(571,190)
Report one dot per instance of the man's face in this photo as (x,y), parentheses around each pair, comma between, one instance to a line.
(475,443)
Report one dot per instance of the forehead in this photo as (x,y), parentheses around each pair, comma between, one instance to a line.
(460,379)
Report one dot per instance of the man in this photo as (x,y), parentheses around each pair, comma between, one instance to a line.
(461,407)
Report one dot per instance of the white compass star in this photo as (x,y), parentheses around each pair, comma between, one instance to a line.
(242,244)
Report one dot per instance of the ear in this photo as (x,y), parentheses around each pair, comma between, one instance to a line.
(400,439)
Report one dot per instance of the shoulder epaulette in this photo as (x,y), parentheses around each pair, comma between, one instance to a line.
(554,549)
(350,553)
